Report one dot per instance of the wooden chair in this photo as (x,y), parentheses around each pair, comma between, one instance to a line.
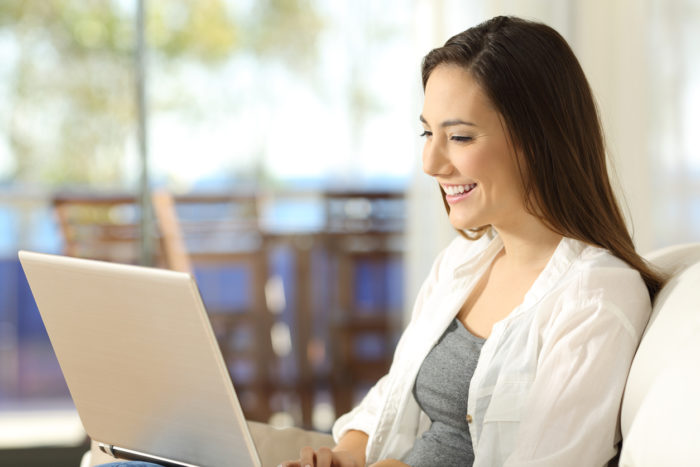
(364,237)
(217,236)
(101,226)
(203,235)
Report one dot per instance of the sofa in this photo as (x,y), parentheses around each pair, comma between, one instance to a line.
(660,417)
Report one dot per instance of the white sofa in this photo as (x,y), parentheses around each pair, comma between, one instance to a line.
(660,416)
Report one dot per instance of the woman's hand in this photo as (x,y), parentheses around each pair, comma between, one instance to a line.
(323,457)
(349,452)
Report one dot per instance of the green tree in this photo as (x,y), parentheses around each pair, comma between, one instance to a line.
(71,109)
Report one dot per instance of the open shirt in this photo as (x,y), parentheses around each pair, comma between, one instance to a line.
(549,380)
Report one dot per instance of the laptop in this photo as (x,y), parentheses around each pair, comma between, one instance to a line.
(141,361)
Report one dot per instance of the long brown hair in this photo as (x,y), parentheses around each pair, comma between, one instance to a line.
(534,80)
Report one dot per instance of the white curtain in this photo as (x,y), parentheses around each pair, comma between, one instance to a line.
(673,43)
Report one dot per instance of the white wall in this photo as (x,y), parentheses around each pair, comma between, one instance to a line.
(609,40)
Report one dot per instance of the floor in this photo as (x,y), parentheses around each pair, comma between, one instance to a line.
(41,436)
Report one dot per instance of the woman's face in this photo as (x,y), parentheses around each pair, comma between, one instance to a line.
(467,151)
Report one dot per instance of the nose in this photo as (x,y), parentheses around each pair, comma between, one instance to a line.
(435,160)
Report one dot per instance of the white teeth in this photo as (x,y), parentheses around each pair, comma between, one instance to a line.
(458,189)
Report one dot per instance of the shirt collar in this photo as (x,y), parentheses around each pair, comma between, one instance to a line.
(561,261)
(488,247)
(567,251)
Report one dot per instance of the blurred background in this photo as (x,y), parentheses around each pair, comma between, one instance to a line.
(271,148)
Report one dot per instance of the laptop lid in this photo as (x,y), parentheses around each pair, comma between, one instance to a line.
(140,359)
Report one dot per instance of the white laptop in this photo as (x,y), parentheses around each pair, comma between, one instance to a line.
(141,361)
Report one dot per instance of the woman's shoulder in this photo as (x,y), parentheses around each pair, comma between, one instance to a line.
(599,282)
(594,261)
(597,274)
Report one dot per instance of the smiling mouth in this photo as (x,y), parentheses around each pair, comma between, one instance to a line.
(455,190)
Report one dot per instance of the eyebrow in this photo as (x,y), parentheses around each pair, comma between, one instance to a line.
(448,123)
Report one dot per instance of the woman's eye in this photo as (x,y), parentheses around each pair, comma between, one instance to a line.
(461,139)
(426,133)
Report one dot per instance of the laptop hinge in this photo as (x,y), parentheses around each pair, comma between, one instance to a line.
(131,455)
(106,448)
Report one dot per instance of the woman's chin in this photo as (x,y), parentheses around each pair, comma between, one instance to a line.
(465,223)
(461,223)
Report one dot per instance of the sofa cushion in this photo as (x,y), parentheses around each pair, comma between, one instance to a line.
(664,361)
(666,426)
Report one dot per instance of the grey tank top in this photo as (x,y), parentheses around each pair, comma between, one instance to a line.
(441,390)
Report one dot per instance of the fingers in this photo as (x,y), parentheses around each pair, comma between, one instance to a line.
(306,457)
(324,457)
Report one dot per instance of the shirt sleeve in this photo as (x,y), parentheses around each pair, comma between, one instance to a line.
(571,412)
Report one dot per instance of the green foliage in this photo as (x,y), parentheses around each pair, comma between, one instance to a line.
(289,32)
(72,100)
(201,30)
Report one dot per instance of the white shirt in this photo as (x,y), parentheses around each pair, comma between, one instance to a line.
(548,384)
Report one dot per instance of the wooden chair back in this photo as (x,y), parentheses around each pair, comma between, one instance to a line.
(364,232)
(213,235)
(101,226)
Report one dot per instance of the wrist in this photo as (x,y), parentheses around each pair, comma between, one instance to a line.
(353,443)
(357,456)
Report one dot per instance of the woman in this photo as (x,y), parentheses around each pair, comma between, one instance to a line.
(523,333)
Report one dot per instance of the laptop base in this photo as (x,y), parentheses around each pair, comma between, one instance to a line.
(131,455)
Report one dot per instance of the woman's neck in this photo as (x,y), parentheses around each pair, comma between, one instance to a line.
(529,245)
